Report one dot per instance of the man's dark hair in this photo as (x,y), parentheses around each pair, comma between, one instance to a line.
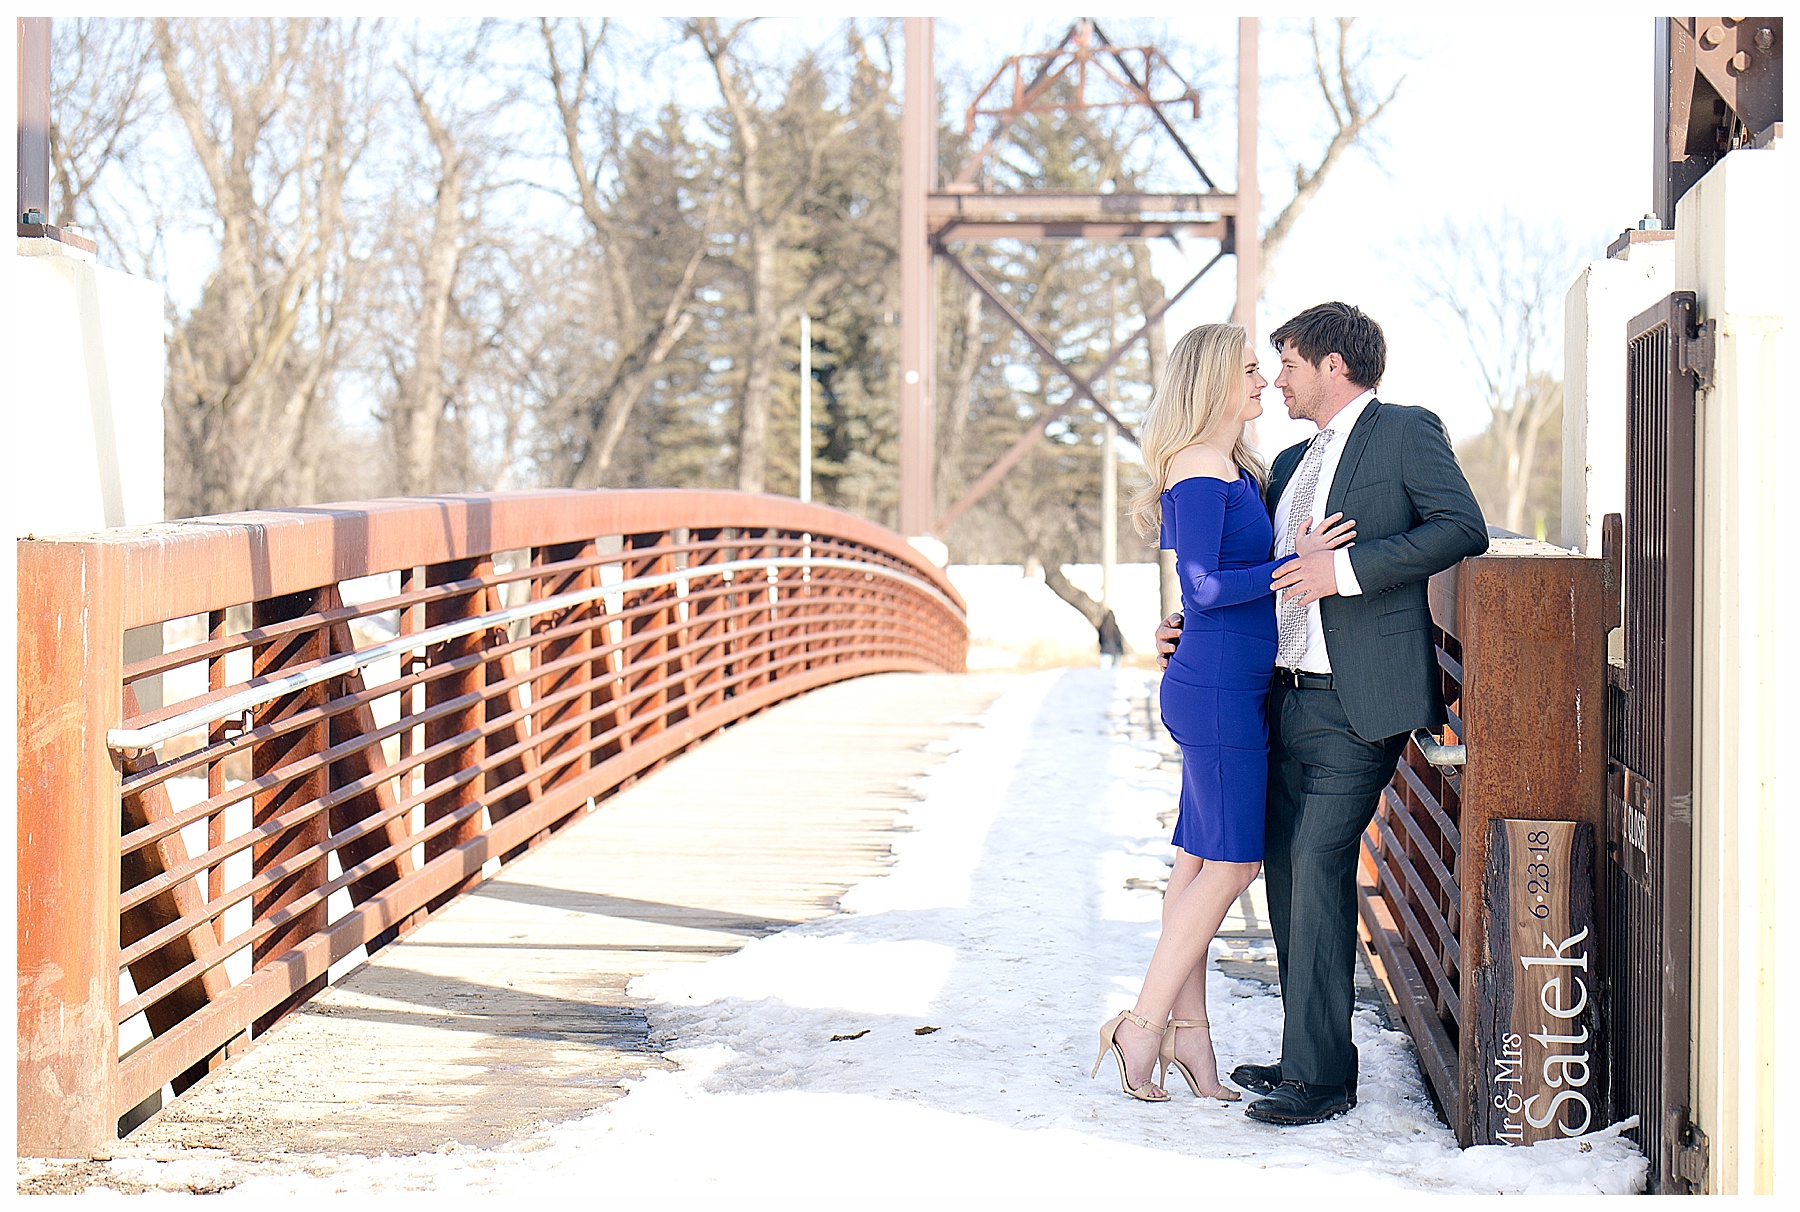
(1340,329)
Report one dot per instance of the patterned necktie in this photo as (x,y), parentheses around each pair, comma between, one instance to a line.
(1291,615)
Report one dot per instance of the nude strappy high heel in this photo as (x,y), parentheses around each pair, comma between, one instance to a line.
(1166,1055)
(1147,1092)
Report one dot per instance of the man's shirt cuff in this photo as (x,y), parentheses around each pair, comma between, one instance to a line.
(1347,584)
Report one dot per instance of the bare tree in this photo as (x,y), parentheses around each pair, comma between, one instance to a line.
(782,144)
(351,205)
(1499,287)
(277,114)
(1150,296)
(102,104)
(650,309)
(418,403)
(763,212)
(1353,101)
(460,156)
(966,338)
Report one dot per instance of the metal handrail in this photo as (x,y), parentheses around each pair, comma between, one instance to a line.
(133,739)
(1438,753)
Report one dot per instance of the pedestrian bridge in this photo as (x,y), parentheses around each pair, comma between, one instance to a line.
(264,745)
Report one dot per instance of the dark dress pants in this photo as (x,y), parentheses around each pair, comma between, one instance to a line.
(1324,782)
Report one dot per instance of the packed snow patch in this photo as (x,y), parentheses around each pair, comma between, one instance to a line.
(932,1040)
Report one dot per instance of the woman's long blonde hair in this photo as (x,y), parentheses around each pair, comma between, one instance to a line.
(1201,392)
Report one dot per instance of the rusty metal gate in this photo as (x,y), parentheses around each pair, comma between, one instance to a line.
(1650,737)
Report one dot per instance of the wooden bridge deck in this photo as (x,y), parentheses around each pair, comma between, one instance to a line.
(509,1008)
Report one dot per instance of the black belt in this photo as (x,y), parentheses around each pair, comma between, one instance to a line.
(1301,679)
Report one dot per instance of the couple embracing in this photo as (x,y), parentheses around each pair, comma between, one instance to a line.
(1301,659)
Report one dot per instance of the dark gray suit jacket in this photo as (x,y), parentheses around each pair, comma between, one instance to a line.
(1414,516)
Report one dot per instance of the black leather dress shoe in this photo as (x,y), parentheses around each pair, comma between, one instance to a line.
(1258,1079)
(1300,1103)
(1262,1079)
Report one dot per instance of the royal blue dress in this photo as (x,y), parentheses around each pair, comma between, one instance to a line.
(1216,688)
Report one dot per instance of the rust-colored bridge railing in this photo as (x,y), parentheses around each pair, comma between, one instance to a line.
(255,747)
(1520,640)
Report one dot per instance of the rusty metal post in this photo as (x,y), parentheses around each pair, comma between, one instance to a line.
(459,793)
(755,623)
(918,327)
(553,751)
(1533,632)
(289,794)
(1246,222)
(34,119)
(705,624)
(70,670)
(365,765)
(648,713)
(215,769)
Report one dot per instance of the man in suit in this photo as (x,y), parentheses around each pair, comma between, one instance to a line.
(1355,673)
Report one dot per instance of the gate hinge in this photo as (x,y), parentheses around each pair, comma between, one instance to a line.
(1695,354)
(1692,1153)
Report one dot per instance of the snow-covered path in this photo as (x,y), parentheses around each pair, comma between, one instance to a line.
(965,987)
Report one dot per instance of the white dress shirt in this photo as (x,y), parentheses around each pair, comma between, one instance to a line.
(1316,659)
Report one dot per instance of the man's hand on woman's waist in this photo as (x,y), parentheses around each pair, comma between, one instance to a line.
(1168,634)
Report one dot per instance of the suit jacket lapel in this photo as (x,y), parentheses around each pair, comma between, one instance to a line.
(1354,446)
(1278,482)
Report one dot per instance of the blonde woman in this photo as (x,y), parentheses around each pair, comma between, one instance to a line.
(1205,494)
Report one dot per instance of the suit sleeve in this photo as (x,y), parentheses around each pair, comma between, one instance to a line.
(1199,532)
(1449,527)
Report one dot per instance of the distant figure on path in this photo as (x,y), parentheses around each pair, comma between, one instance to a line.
(1354,675)
(1112,641)
(1205,496)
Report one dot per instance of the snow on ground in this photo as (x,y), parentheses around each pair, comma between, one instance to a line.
(1006,927)
(1016,622)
